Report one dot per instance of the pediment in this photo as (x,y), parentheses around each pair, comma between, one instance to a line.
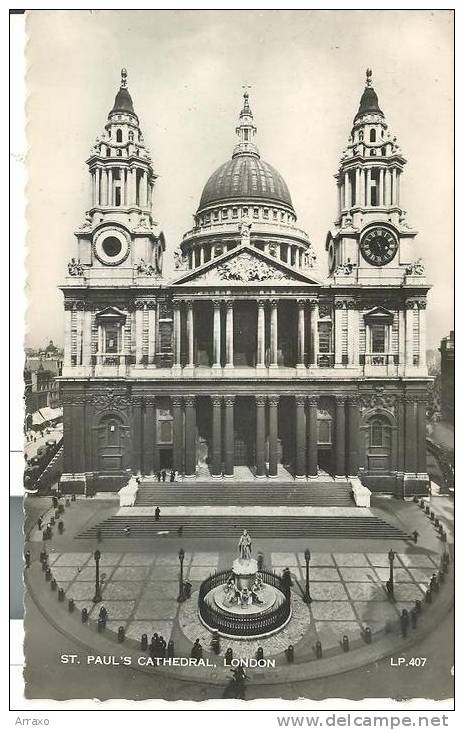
(244,265)
(379,314)
(110,313)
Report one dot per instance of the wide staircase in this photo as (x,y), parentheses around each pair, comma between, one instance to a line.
(252,493)
(219,527)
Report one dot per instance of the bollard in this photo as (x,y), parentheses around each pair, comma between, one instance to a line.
(27,558)
(444,537)
(367,635)
(73,497)
(61,594)
(60,527)
(215,643)
(413,617)
(415,535)
(121,634)
(388,627)
(228,656)
(144,642)
(345,643)
(100,624)
(170,649)
(422,503)
(418,606)
(67,502)
(99,535)
(427,510)
(53,584)
(44,566)
(52,521)
(71,605)
(84,615)
(260,561)
(290,654)
(432,515)
(428,596)
(437,522)
(259,653)
(48,574)
(318,650)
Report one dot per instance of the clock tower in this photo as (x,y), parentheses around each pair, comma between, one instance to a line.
(371,242)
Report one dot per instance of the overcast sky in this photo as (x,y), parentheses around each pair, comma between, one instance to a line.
(185,74)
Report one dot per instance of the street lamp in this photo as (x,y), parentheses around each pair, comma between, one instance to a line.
(181,596)
(390,590)
(97,597)
(307,597)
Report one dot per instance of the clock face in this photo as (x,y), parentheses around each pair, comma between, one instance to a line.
(379,246)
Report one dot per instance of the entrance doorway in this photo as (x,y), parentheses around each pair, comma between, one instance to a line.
(325,461)
(244,431)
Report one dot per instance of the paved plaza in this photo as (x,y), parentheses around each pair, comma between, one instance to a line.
(140,591)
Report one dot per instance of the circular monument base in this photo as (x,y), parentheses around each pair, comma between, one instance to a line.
(267,596)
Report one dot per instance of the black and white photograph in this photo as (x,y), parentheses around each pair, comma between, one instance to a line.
(239,373)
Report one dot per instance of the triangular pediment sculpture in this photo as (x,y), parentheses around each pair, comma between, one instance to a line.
(110,313)
(244,265)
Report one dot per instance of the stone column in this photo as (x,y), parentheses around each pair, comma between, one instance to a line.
(381,187)
(190,362)
(139,332)
(137,431)
(229,436)
(398,188)
(122,186)
(87,338)
(314,345)
(387,187)
(100,339)
(229,334)
(421,435)
(97,186)
(300,440)
(394,193)
(261,335)
(260,435)
(151,331)
(410,436)
(358,186)
(149,435)
(422,334)
(177,333)
(353,436)
(409,335)
(400,465)
(67,334)
(368,187)
(301,333)
(190,437)
(340,469)
(353,335)
(338,315)
(79,329)
(216,461)
(347,190)
(274,334)
(216,333)
(312,436)
(177,434)
(110,187)
(273,434)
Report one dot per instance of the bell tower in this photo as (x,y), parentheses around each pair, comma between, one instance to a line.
(371,241)
(119,229)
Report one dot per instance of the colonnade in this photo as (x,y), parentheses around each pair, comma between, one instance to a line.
(103,188)
(388,186)
(267,311)
(222,446)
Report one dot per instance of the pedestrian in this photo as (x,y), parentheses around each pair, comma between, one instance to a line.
(163,475)
(172,477)
(404,622)
(197,650)
(158,476)
(157,514)
(137,479)
(39,523)
(286,580)
(180,530)
(127,530)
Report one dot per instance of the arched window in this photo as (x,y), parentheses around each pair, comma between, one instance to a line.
(361,136)
(379,444)
(372,135)
(373,153)
(108,152)
(131,136)
(118,136)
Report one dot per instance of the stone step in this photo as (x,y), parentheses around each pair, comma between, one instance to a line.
(358,528)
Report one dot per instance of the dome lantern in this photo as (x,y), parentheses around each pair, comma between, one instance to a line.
(245,130)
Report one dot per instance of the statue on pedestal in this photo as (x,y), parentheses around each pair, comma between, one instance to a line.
(244,546)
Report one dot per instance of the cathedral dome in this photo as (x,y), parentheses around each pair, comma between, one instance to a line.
(246,177)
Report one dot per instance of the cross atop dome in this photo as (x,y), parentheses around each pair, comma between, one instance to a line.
(369,103)
(246,129)
(123,101)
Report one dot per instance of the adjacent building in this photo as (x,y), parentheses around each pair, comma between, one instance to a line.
(246,362)
(447,378)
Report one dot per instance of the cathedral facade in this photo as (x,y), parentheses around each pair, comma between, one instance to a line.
(245,361)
